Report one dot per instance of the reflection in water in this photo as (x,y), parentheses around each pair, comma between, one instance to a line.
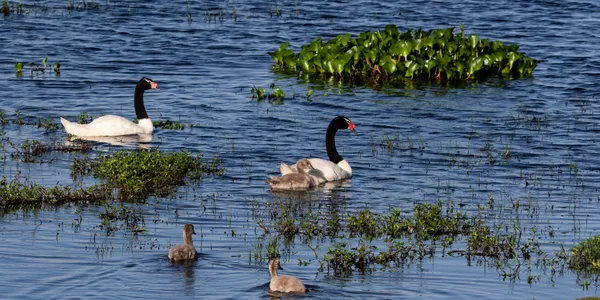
(327,188)
(189,277)
(143,140)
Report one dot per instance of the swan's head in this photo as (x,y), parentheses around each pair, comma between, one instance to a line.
(342,122)
(274,266)
(304,164)
(147,83)
(188,230)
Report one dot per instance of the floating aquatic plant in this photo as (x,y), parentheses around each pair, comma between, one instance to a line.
(33,67)
(414,55)
(166,124)
(275,94)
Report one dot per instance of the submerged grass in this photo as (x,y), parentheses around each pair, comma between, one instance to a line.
(141,173)
(363,240)
(29,150)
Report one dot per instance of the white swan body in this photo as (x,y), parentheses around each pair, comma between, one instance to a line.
(336,168)
(108,126)
(323,170)
(115,125)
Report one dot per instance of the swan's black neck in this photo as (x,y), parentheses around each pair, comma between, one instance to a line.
(138,103)
(334,156)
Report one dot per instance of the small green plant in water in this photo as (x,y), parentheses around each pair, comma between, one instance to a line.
(258,93)
(309,93)
(19,68)
(84,118)
(166,124)
(275,94)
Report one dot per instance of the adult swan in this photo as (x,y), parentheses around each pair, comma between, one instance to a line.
(336,168)
(111,125)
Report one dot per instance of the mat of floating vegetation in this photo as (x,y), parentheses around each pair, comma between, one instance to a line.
(135,175)
(394,57)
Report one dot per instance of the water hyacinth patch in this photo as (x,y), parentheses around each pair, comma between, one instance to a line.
(414,55)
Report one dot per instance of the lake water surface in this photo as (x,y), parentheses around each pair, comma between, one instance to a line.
(448,145)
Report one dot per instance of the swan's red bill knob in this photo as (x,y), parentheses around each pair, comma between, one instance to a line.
(351,126)
(153,85)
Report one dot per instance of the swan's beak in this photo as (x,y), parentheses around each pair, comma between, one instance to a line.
(154,85)
(194,232)
(352,127)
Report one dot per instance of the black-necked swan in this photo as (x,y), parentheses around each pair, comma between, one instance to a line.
(302,180)
(111,125)
(187,251)
(283,283)
(336,168)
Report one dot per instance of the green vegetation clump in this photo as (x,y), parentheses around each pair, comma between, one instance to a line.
(29,150)
(33,67)
(6,9)
(586,256)
(276,93)
(19,194)
(396,57)
(166,124)
(359,241)
(141,173)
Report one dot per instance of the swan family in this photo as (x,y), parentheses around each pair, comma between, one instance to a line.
(306,173)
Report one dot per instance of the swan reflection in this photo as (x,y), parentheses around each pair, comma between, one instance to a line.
(142,140)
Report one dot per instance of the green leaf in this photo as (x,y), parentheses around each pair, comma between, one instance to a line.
(388,64)
(289,60)
(279,93)
(405,48)
(429,64)
(460,66)
(512,57)
(19,67)
(411,67)
(473,40)
(57,67)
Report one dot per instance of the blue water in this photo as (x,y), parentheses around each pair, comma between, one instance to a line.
(206,70)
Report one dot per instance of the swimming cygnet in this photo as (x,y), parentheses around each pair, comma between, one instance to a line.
(187,251)
(283,283)
(301,180)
